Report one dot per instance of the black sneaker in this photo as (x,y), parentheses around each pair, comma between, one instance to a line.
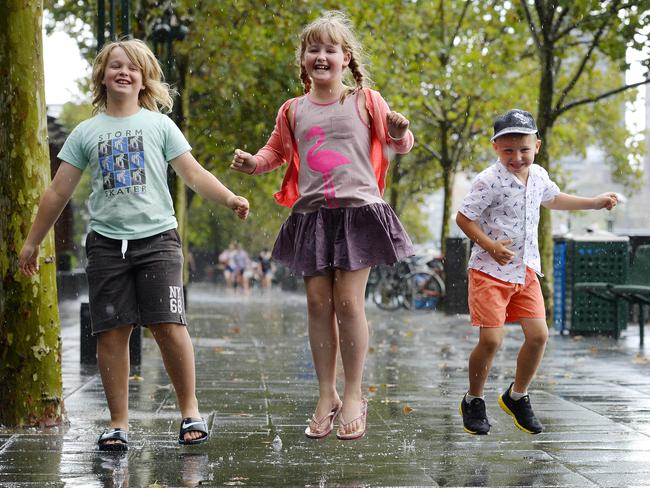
(474,417)
(521,412)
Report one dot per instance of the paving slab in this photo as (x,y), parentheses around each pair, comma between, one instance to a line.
(257,387)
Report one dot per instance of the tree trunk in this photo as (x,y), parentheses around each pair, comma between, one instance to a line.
(176,184)
(30,346)
(182,201)
(545,242)
(448,177)
(393,199)
(544,124)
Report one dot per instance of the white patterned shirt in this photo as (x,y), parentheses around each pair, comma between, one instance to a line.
(505,208)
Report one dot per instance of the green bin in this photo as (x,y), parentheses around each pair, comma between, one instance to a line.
(592,259)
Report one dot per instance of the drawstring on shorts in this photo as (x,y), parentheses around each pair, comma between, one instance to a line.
(125,245)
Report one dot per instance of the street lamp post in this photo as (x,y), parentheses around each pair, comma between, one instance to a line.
(125,18)
(166,30)
(88,343)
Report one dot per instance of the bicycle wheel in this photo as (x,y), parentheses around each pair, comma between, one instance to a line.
(423,291)
(387,293)
(373,278)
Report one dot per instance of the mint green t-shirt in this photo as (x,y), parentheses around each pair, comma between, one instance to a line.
(128,158)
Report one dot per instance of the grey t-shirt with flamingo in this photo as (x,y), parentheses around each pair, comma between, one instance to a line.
(334,147)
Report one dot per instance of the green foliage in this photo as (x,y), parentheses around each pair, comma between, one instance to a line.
(449,65)
(580,47)
(580,50)
(73,114)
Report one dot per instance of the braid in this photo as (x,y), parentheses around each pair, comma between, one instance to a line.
(304,78)
(358,76)
(357,73)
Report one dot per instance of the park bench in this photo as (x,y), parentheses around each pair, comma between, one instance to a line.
(635,290)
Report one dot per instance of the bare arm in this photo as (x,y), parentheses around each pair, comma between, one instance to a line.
(207,185)
(497,249)
(562,201)
(54,200)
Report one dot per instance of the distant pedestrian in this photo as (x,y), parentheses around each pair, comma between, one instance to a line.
(501,214)
(340,225)
(134,252)
(242,263)
(265,271)
(227,264)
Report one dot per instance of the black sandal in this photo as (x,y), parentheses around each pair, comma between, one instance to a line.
(117,434)
(190,424)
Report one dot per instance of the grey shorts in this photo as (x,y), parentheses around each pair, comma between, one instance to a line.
(143,286)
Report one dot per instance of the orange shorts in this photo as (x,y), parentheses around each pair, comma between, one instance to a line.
(493,302)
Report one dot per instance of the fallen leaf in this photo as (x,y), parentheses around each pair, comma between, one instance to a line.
(136,377)
(407,409)
(372,388)
(218,349)
(640,359)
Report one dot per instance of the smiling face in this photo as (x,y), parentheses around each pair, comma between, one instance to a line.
(122,77)
(517,152)
(325,61)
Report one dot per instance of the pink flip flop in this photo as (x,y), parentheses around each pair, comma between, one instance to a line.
(330,418)
(359,433)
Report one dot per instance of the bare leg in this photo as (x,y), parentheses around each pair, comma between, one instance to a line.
(349,303)
(480,359)
(531,352)
(113,362)
(323,340)
(178,356)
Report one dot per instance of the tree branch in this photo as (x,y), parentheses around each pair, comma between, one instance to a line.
(531,24)
(558,24)
(558,111)
(429,149)
(585,60)
(459,24)
(432,111)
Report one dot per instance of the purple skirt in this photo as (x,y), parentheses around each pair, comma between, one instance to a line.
(346,238)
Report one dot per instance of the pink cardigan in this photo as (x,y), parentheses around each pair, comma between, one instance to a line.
(281,148)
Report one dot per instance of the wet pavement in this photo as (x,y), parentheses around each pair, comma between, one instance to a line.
(256,386)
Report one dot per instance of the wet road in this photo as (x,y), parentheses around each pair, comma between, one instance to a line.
(257,388)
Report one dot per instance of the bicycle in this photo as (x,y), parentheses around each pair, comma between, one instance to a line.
(416,283)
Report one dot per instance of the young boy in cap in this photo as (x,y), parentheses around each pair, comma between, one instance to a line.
(500,214)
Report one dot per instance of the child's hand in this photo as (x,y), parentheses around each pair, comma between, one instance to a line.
(500,252)
(239,205)
(397,124)
(606,200)
(244,162)
(28,260)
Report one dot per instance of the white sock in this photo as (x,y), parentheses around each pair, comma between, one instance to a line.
(469,398)
(517,396)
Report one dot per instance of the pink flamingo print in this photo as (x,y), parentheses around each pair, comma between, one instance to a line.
(324,162)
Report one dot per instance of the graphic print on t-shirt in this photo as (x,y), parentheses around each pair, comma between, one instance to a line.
(121,159)
(324,162)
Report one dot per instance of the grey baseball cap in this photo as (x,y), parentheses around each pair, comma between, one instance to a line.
(514,122)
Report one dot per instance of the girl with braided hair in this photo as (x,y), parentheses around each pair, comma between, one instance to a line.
(336,140)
